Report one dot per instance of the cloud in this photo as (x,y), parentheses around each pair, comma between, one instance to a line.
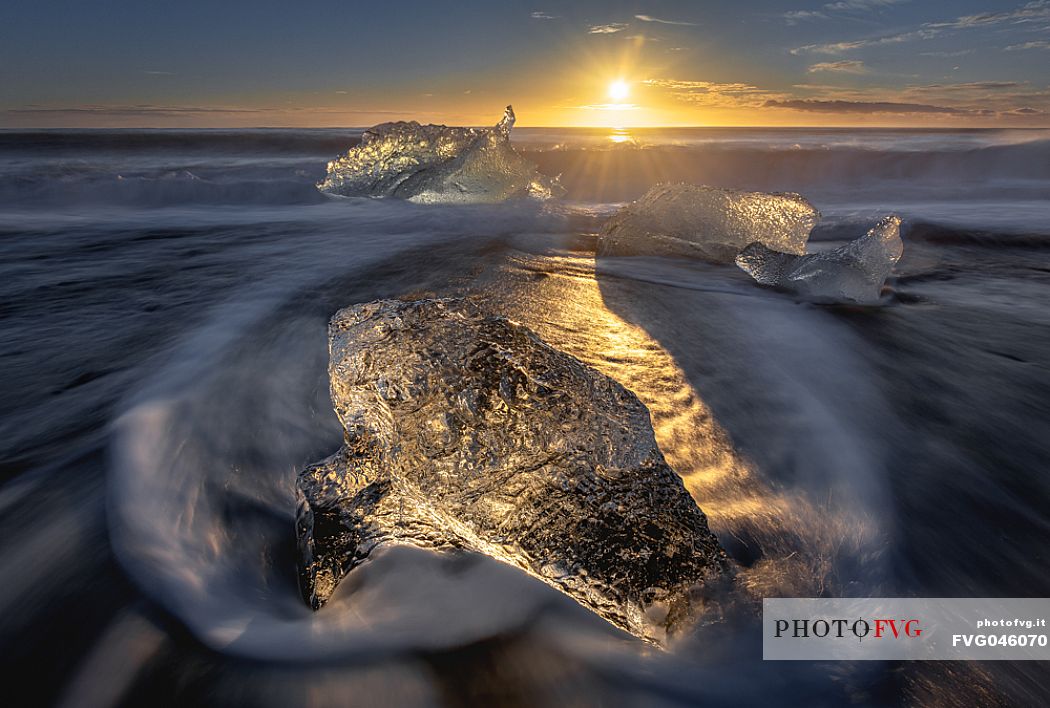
(161,110)
(541,15)
(1037,12)
(1002,96)
(610,28)
(699,86)
(835,48)
(846,66)
(711,94)
(971,86)
(971,100)
(1038,44)
(841,47)
(158,73)
(832,8)
(824,87)
(1032,12)
(795,16)
(860,5)
(838,106)
(137,110)
(650,18)
(957,53)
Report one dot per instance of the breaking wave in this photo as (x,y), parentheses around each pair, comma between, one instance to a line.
(998,180)
(1015,171)
(835,450)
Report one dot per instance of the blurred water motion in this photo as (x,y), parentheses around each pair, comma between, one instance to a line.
(164,379)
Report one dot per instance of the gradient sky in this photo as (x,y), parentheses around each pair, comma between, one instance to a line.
(262,63)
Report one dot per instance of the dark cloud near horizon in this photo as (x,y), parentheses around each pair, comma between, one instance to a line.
(972,86)
(839,106)
(177,110)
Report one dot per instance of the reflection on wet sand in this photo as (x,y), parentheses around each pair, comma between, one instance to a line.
(770,411)
(787,541)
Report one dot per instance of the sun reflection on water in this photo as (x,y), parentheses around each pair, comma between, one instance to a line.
(791,538)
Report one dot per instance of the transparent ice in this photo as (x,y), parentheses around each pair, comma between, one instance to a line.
(435,164)
(855,272)
(464,430)
(707,223)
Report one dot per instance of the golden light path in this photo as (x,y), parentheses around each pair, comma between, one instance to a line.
(560,298)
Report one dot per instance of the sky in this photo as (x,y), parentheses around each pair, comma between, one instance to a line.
(240,63)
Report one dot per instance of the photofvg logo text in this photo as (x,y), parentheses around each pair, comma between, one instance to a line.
(855,629)
(859,628)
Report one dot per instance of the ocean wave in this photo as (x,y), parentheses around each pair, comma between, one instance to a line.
(934,233)
(621,174)
(978,174)
(211,142)
(95,187)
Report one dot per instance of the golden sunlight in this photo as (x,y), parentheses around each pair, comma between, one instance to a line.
(618,90)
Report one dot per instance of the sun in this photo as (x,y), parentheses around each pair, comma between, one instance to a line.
(618,90)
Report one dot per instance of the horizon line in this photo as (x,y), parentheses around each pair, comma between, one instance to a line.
(537,127)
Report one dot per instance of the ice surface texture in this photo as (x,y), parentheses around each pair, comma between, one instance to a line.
(466,430)
(435,163)
(707,223)
(855,272)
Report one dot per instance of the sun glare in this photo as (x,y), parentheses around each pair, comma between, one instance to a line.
(618,90)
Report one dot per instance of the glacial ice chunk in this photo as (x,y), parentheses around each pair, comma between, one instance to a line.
(436,163)
(855,272)
(466,430)
(707,223)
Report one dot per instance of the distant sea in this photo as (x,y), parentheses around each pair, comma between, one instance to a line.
(163,301)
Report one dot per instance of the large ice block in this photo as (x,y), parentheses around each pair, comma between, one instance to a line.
(464,430)
(855,272)
(436,163)
(707,223)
